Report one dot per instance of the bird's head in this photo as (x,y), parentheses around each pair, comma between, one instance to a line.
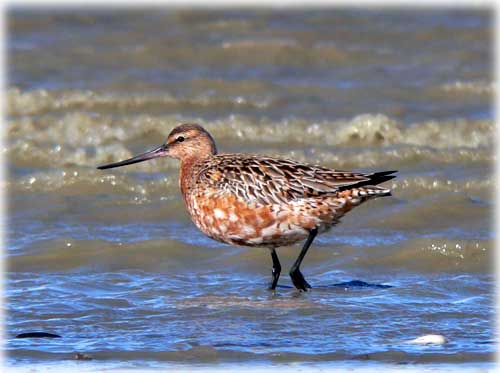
(186,141)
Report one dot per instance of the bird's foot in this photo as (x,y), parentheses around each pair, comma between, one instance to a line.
(299,281)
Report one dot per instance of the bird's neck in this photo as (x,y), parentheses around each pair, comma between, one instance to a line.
(187,166)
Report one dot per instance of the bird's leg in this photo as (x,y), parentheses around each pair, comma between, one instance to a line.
(297,278)
(276,269)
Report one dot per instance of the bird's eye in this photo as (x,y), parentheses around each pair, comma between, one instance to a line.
(180,139)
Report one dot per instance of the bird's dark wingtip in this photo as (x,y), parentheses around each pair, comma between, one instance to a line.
(373,179)
(382,173)
(382,176)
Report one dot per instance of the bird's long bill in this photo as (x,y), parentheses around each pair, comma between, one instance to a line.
(155,153)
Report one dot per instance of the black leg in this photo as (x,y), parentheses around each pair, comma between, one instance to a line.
(276,269)
(297,278)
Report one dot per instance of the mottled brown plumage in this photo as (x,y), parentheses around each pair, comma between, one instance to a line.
(255,200)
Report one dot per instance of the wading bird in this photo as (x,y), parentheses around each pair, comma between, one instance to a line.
(254,200)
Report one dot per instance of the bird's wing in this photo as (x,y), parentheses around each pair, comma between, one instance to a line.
(265,180)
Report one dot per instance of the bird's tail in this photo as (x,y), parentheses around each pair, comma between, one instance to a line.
(368,189)
(371,191)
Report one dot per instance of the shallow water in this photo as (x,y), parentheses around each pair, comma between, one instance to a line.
(110,261)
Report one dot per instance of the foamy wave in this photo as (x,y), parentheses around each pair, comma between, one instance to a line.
(34,154)
(42,101)
(253,45)
(83,126)
(86,138)
(94,181)
(421,184)
(473,87)
(380,129)
(81,139)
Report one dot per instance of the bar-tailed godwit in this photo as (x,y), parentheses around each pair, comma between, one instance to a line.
(254,200)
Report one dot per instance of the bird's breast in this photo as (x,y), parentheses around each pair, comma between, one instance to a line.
(229,219)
